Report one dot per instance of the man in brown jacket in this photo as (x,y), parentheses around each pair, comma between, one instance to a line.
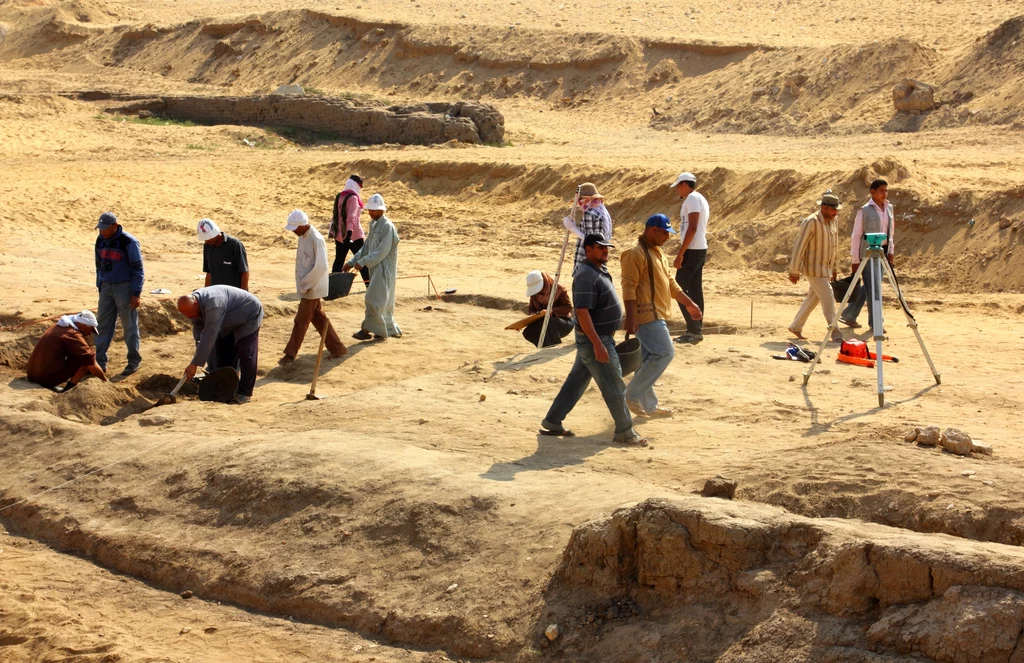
(538,289)
(648,290)
(63,354)
(814,255)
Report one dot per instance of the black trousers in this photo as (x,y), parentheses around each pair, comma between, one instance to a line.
(244,354)
(341,250)
(690,278)
(558,328)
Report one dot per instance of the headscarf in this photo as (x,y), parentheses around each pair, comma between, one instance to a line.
(85,317)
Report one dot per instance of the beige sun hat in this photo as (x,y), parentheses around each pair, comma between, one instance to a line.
(588,190)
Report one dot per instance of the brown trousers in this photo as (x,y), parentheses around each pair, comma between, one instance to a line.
(312,310)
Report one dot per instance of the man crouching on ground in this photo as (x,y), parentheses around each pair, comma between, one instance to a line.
(225,324)
(598,316)
(63,354)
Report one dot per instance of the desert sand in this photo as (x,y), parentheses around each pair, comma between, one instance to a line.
(415,514)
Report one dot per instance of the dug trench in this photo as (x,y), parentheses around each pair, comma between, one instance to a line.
(408,546)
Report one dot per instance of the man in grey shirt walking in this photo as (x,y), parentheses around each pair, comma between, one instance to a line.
(225,322)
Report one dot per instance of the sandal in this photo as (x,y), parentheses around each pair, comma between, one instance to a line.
(797,334)
(565,432)
(634,440)
(362,335)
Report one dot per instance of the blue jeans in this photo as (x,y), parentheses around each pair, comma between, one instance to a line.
(860,297)
(656,349)
(115,302)
(609,380)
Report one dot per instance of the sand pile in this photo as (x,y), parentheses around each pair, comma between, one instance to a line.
(97,402)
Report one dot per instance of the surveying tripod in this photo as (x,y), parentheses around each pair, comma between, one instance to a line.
(875,260)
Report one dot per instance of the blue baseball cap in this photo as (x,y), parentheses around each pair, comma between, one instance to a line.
(107,219)
(660,221)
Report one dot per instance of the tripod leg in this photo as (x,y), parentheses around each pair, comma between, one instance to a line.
(912,323)
(835,321)
(878,328)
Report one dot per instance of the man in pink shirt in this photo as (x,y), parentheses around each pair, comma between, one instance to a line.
(875,216)
(346,230)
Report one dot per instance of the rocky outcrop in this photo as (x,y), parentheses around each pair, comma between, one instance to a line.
(913,96)
(420,124)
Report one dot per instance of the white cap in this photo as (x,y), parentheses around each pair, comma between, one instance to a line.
(207,230)
(684,177)
(296,220)
(534,283)
(376,202)
(86,318)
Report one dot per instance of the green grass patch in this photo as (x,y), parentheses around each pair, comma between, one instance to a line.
(163,122)
(206,148)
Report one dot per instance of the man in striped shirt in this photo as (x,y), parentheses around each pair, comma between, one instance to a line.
(596,219)
(814,255)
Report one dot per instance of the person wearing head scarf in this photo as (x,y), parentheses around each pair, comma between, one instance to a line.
(346,229)
(380,255)
(63,354)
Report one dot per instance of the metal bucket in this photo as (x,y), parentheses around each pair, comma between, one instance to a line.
(629,355)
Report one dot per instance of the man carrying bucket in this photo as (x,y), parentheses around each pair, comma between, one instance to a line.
(598,316)
(648,290)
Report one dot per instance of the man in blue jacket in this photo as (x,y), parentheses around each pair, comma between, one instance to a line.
(119,278)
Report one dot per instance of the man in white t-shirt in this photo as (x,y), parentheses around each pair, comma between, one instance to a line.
(693,251)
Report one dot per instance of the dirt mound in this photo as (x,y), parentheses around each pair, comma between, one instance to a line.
(160,317)
(16,348)
(844,89)
(756,212)
(96,402)
(761,584)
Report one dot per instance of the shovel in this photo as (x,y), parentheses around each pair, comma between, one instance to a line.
(168,399)
(312,395)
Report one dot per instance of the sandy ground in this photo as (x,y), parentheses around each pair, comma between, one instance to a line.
(415,513)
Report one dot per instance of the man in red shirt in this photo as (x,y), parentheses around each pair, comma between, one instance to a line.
(63,354)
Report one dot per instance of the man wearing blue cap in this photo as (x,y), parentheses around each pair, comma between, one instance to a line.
(119,278)
(648,290)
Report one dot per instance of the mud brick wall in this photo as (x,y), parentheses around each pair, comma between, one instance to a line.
(420,124)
